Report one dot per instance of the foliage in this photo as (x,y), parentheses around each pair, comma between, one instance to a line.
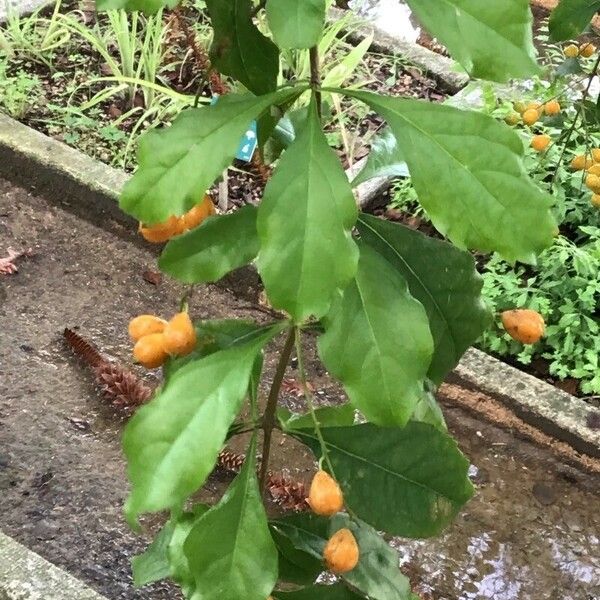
(396,310)
(18,92)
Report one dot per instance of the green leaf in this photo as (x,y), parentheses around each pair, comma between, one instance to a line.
(377,574)
(219,245)
(319,592)
(172,443)
(180,569)
(230,550)
(178,164)
(296,23)
(384,160)
(571,17)
(445,281)
(239,49)
(153,564)
(148,7)
(570,66)
(428,410)
(377,342)
(409,482)
(304,225)
(467,169)
(328,416)
(491,40)
(295,566)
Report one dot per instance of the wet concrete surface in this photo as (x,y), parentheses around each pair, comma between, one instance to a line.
(531,532)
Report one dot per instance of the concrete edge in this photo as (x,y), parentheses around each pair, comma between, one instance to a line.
(25,575)
(442,69)
(546,407)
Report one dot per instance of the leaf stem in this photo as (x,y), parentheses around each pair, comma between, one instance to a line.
(311,407)
(315,77)
(270,410)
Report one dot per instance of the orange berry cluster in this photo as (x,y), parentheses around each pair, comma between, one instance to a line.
(530,113)
(586,50)
(590,163)
(524,325)
(156,339)
(325,498)
(163,232)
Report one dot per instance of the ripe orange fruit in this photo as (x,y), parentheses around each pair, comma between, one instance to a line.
(180,335)
(596,154)
(552,108)
(587,50)
(162,232)
(540,142)
(571,51)
(201,211)
(581,162)
(530,116)
(534,105)
(325,496)
(594,169)
(145,325)
(593,183)
(524,325)
(596,200)
(150,350)
(341,552)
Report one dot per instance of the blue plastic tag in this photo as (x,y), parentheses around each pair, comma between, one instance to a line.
(248,142)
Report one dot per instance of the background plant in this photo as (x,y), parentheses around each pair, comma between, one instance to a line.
(397,309)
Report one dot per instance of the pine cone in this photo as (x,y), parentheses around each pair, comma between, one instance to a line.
(123,388)
(87,352)
(230,461)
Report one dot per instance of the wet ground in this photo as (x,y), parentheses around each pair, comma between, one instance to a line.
(532,531)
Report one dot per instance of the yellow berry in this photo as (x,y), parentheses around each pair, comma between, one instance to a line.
(540,142)
(581,162)
(180,335)
(594,169)
(162,232)
(199,213)
(571,51)
(530,116)
(596,154)
(150,350)
(524,325)
(552,108)
(512,118)
(145,325)
(341,552)
(587,50)
(325,496)
(534,105)
(593,183)
(596,200)
(519,106)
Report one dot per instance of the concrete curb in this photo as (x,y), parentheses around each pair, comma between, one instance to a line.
(34,160)
(25,575)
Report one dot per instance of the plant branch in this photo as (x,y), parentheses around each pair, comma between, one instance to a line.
(270,410)
(258,8)
(315,77)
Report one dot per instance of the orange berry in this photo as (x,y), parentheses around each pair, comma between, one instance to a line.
(199,213)
(587,50)
(596,154)
(571,51)
(530,116)
(595,200)
(162,232)
(552,108)
(594,169)
(535,106)
(180,335)
(540,142)
(341,552)
(150,350)
(145,325)
(524,325)
(593,183)
(581,162)
(325,496)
